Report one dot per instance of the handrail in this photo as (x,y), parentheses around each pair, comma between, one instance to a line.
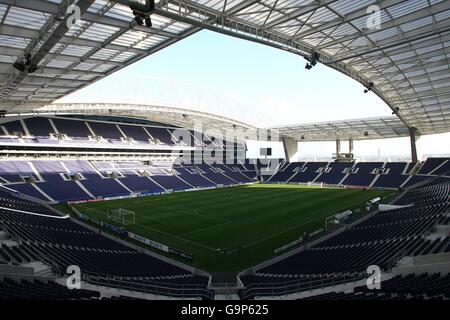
(129,283)
(294,286)
(134,279)
(125,281)
(151,287)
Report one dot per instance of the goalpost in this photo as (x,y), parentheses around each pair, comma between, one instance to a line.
(123,216)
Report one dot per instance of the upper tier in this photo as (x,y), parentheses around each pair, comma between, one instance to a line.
(54,132)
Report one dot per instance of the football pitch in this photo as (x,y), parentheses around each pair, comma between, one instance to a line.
(230,229)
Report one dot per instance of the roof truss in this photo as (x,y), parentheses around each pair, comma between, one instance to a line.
(407,58)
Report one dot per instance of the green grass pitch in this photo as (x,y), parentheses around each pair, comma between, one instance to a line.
(249,221)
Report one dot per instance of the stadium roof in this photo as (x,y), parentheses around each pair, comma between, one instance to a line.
(105,40)
(355,129)
(179,117)
(406,57)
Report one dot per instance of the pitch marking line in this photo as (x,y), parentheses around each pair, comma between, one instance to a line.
(159,231)
(165,233)
(191,212)
(286,230)
(177,237)
(140,217)
(92,209)
(206,228)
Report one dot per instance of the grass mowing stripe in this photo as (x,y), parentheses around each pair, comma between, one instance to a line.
(177,237)
(259,217)
(295,227)
(159,231)
(206,228)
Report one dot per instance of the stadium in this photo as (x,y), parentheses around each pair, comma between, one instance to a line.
(129,201)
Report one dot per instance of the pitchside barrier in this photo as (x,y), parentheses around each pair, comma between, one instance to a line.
(300,240)
(116,229)
(146,194)
(159,246)
(130,196)
(135,237)
(309,184)
(289,245)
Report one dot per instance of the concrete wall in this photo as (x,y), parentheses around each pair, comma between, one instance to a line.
(11,269)
(432,258)
(290,149)
(432,263)
(442,268)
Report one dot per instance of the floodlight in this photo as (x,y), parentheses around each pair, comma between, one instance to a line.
(19,66)
(312,60)
(368,87)
(32,68)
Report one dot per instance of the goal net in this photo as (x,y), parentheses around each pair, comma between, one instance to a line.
(123,216)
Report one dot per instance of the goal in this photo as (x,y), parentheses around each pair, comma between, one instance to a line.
(123,216)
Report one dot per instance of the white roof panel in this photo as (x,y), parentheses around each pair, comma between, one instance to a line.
(406,56)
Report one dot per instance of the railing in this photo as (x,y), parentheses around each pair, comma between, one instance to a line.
(396,258)
(132,284)
(56,268)
(149,286)
(300,285)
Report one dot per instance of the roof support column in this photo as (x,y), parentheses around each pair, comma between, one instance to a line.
(290,149)
(413,137)
(350,146)
(338,148)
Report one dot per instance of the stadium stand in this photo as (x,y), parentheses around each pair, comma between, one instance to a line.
(22,289)
(44,236)
(66,181)
(11,201)
(379,240)
(75,129)
(233,173)
(14,128)
(99,159)
(41,235)
(308,172)
(60,131)
(362,174)
(285,173)
(393,177)
(411,287)
(335,174)
(137,133)
(431,165)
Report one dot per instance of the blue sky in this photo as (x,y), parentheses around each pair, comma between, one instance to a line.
(253,83)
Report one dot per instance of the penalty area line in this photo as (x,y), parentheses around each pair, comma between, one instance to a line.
(289,229)
(206,228)
(177,237)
